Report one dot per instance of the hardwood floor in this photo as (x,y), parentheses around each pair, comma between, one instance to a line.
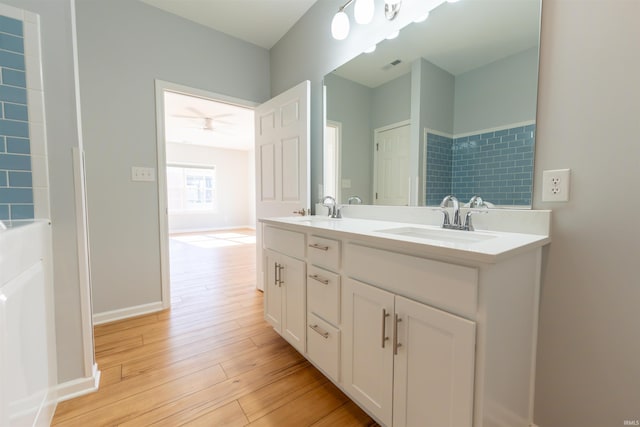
(211,360)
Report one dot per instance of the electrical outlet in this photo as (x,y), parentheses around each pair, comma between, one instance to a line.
(143,174)
(555,185)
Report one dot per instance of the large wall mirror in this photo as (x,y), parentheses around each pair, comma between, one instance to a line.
(448,107)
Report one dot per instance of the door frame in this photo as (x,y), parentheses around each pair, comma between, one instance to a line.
(161,87)
(375,153)
(338,146)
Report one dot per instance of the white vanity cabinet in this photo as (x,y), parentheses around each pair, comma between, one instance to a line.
(407,362)
(417,334)
(285,285)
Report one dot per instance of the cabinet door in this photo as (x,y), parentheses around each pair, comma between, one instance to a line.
(272,291)
(292,281)
(434,367)
(368,361)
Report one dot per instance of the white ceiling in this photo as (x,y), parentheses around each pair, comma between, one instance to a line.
(261,22)
(200,121)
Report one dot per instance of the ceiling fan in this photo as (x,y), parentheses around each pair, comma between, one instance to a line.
(204,122)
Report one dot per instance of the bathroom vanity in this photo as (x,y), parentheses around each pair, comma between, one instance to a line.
(418,325)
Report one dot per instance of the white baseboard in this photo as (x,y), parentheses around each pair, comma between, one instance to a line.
(209,229)
(79,387)
(125,313)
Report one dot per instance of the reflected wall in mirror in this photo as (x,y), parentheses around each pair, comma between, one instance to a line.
(446,108)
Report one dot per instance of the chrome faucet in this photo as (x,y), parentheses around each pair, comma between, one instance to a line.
(332,206)
(446,223)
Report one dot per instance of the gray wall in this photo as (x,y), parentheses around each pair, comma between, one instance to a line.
(62,135)
(123,46)
(500,93)
(589,341)
(350,104)
(588,110)
(391,102)
(436,89)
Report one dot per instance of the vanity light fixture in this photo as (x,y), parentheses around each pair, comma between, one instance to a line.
(371,49)
(363,11)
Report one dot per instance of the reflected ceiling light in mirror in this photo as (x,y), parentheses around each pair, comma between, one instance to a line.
(371,49)
(393,35)
(363,11)
(422,18)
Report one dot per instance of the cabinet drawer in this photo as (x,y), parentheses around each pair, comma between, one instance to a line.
(450,287)
(284,241)
(323,346)
(323,293)
(324,252)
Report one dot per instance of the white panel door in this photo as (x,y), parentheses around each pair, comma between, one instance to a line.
(434,367)
(368,359)
(392,167)
(282,159)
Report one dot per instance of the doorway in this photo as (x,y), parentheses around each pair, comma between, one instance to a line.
(206,173)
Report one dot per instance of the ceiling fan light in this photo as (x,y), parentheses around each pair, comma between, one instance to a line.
(363,11)
(340,26)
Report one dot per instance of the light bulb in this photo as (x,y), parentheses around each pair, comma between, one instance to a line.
(452,1)
(340,26)
(421,18)
(363,11)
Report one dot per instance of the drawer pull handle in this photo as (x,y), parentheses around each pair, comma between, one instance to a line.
(384,326)
(318,246)
(396,344)
(319,331)
(319,279)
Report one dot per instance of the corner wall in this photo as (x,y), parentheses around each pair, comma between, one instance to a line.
(124,45)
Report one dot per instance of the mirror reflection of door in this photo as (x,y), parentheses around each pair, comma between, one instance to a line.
(331,160)
(391,165)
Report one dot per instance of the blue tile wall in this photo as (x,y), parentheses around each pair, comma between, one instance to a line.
(439,168)
(16,192)
(495,165)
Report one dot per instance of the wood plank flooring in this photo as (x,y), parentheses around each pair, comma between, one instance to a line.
(211,360)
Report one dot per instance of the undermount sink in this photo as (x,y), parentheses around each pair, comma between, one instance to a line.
(439,234)
(314,219)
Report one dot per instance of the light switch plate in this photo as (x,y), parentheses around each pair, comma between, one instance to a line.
(555,185)
(139,173)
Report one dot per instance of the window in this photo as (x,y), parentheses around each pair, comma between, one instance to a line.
(191,188)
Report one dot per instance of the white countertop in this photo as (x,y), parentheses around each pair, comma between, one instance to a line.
(469,246)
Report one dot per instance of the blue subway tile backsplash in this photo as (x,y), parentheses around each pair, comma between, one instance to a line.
(16,192)
(495,165)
